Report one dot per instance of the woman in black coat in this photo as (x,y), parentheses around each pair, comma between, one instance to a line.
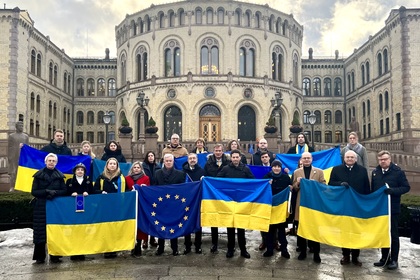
(47,184)
(150,166)
(113,150)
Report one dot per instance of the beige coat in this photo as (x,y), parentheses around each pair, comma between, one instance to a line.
(316,174)
(178,151)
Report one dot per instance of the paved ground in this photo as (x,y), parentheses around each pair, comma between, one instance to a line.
(16,263)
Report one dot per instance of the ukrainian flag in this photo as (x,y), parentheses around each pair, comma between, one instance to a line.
(341,217)
(280,209)
(239,203)
(31,160)
(108,224)
(324,160)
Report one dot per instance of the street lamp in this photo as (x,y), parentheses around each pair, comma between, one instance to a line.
(276,102)
(107,120)
(142,102)
(312,120)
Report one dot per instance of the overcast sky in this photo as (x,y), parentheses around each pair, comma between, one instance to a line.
(84,28)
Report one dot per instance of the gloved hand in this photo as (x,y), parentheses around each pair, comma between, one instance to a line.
(51,192)
(345,184)
(389,191)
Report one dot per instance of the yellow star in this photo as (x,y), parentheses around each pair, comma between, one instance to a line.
(187,209)
(168,196)
(154,205)
(185,218)
(183,200)
(160,198)
(171,230)
(156,222)
(177,196)
(180,225)
(163,228)
(153,214)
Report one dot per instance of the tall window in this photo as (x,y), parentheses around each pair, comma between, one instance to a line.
(90,87)
(101,87)
(90,117)
(237,17)
(161,20)
(141,61)
(327,87)
(123,64)
(55,111)
(367,72)
(387,126)
(363,109)
(198,16)
(38,104)
(33,61)
(209,16)
(220,16)
(210,56)
(306,87)
(318,117)
(50,73)
(386,101)
(112,114)
(112,89)
(277,63)
(172,59)
(37,128)
(317,87)
(246,124)
(349,83)
(247,58)
(247,19)
(328,136)
(337,87)
(338,117)
(79,118)
(352,81)
(295,69)
(80,87)
(65,82)
(100,117)
(398,121)
(363,75)
(32,101)
(55,74)
(90,136)
(379,58)
(368,108)
(306,116)
(328,117)
(38,65)
(257,19)
(79,136)
(380,103)
(64,115)
(381,127)
(386,67)
(181,15)
(171,19)
(50,109)
(172,122)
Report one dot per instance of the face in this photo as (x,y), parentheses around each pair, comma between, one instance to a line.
(112,165)
(350,159)
(59,137)
(233,146)
(306,159)
(175,140)
(86,148)
(276,169)
(353,139)
(235,158)
(19,127)
(200,144)
(265,159)
(192,160)
(384,161)
(113,147)
(218,152)
(301,139)
(168,162)
(136,169)
(80,171)
(51,162)
(262,144)
(151,157)
(300,163)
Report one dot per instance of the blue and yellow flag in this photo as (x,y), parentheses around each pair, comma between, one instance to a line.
(324,160)
(201,160)
(108,224)
(341,217)
(259,171)
(239,203)
(99,165)
(169,211)
(280,209)
(31,160)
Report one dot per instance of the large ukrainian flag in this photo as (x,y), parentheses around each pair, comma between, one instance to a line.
(108,224)
(31,160)
(280,209)
(239,203)
(341,217)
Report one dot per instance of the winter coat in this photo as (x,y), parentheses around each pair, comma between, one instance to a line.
(173,177)
(292,150)
(44,180)
(74,186)
(256,157)
(142,180)
(211,168)
(150,171)
(110,186)
(178,151)
(357,177)
(195,174)
(232,171)
(396,180)
(279,183)
(117,154)
(362,156)
(55,149)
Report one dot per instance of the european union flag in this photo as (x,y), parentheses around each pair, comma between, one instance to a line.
(169,211)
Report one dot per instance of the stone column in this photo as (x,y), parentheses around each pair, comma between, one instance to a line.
(125,142)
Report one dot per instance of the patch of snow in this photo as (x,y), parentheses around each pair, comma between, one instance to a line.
(16,238)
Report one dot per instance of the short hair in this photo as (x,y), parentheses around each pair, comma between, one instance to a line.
(354,134)
(192,154)
(264,153)
(384,152)
(218,145)
(58,130)
(200,140)
(51,155)
(351,152)
(168,156)
(235,152)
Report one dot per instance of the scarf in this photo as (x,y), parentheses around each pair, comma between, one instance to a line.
(301,150)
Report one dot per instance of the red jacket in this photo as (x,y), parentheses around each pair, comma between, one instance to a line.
(142,180)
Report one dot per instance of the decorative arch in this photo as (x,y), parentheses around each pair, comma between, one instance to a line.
(210,123)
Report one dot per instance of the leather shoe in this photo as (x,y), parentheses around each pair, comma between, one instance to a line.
(345,260)
(229,254)
(213,248)
(356,261)
(285,254)
(187,250)
(302,256)
(245,254)
(198,251)
(55,259)
(159,252)
(39,262)
(381,262)
(268,253)
(393,265)
(262,247)
(176,253)
(317,258)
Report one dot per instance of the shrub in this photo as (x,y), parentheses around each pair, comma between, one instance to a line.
(15,207)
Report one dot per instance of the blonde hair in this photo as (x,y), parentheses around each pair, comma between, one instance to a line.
(131,168)
(107,173)
(92,155)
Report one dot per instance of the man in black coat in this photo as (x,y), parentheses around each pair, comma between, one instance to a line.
(350,174)
(57,145)
(392,175)
(215,163)
(168,175)
(262,147)
(236,169)
(302,145)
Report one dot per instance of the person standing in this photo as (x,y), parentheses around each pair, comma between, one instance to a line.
(215,163)
(236,169)
(57,145)
(234,145)
(113,150)
(389,173)
(86,149)
(175,148)
(302,145)
(200,146)
(262,147)
(48,183)
(350,174)
(15,143)
(194,172)
(312,173)
(359,149)
(168,175)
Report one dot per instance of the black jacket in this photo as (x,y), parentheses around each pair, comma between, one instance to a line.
(150,171)
(195,174)
(256,157)
(211,168)
(396,180)
(110,186)
(45,179)
(58,150)
(279,183)
(73,185)
(232,171)
(292,149)
(357,177)
(173,177)
(113,154)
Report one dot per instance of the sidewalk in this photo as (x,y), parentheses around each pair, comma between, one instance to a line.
(16,263)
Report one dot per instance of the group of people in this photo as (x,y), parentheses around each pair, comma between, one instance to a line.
(353,173)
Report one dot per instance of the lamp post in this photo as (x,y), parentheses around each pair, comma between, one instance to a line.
(276,102)
(142,102)
(107,120)
(312,120)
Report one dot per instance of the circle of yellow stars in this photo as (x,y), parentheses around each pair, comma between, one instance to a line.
(167,197)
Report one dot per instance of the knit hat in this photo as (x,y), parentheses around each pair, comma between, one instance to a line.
(79,165)
(276,162)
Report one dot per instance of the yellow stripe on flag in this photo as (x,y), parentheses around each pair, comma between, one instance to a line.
(279,213)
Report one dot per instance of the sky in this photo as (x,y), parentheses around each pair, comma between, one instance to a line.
(84,28)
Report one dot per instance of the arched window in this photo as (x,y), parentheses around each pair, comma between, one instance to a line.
(306,87)
(368,108)
(257,19)
(209,16)
(338,117)
(246,124)
(277,63)
(32,101)
(363,75)
(172,122)
(80,87)
(363,109)
(65,82)
(318,117)
(31,127)
(285,27)
(247,58)
(38,65)
(386,67)
(237,17)
(90,117)
(50,73)
(33,61)
(278,25)
(367,72)
(100,117)
(172,59)
(295,69)
(171,19)
(328,136)
(306,117)
(112,114)
(181,15)
(386,101)
(37,128)
(379,58)
(64,115)
(50,109)
(220,16)
(161,20)
(123,64)
(381,105)
(209,56)
(101,87)
(349,82)
(147,23)
(337,87)
(317,86)
(352,81)
(328,117)
(90,87)
(247,19)
(198,17)
(327,87)
(55,74)
(79,118)
(141,61)
(55,111)
(112,91)
(38,104)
